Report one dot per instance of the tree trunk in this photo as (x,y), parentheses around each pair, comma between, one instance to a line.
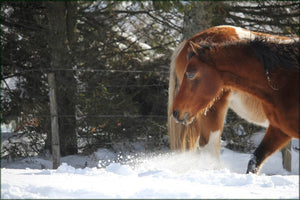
(65,82)
(203,15)
(195,20)
(287,157)
(54,122)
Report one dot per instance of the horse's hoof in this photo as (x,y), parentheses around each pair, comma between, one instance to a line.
(252,166)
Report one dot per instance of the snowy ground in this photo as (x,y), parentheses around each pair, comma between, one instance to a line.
(163,175)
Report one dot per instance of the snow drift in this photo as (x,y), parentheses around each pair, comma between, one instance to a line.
(162,175)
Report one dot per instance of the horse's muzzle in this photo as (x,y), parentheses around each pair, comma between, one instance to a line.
(176,115)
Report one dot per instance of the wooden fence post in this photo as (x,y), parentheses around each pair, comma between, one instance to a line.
(55,146)
(287,157)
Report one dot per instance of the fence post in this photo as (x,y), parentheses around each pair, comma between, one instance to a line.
(287,157)
(55,146)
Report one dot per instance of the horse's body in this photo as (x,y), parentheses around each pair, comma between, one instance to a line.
(228,85)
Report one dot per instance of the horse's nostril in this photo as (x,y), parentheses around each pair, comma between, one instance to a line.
(176,114)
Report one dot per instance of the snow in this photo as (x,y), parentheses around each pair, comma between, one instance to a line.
(105,174)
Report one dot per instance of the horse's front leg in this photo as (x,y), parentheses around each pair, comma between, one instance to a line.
(273,140)
(211,125)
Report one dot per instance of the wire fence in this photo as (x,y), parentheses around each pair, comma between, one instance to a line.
(47,70)
(95,129)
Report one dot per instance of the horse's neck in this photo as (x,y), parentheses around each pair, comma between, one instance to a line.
(241,70)
(259,90)
(239,59)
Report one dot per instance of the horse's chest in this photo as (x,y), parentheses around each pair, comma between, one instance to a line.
(248,107)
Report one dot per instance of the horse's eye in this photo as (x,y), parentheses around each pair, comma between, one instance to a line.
(190,75)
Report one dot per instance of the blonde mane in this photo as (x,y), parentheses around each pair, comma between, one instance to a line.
(181,137)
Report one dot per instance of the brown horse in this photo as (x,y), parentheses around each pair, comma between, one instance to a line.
(248,74)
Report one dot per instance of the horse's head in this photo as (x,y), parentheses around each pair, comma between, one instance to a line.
(200,87)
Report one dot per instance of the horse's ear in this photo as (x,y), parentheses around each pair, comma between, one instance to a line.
(202,52)
(195,47)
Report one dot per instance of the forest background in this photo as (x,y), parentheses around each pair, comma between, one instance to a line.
(111,65)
